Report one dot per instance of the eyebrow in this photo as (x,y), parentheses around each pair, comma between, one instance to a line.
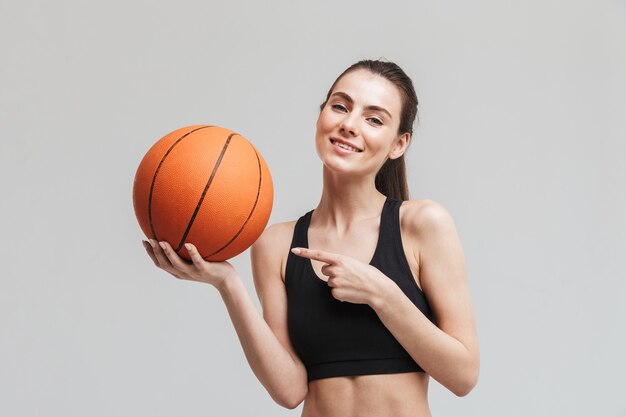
(370,107)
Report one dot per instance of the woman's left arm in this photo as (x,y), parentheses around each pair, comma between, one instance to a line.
(449,350)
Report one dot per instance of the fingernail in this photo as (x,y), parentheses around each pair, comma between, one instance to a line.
(162,245)
(296,251)
(188,246)
(152,243)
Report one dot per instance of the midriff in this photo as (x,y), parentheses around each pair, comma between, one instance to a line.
(385,395)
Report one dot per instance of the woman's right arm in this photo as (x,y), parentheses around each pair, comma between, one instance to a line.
(265,340)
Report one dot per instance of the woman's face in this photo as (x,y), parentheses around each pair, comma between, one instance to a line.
(357,130)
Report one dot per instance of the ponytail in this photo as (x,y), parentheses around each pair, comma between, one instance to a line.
(391,179)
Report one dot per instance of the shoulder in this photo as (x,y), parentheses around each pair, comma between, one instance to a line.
(276,233)
(423,217)
(275,237)
(272,247)
(429,229)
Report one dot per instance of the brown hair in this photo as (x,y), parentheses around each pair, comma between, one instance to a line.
(391,178)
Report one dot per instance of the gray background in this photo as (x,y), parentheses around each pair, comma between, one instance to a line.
(521,138)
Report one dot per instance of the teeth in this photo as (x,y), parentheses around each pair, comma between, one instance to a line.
(344,146)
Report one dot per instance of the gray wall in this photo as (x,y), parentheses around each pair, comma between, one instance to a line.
(521,138)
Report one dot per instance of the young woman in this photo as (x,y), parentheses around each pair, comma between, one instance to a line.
(365,297)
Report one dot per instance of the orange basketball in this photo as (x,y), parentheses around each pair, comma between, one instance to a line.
(204,185)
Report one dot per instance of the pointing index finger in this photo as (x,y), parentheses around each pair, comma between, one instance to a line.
(318,255)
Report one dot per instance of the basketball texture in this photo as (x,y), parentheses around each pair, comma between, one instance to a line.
(205,185)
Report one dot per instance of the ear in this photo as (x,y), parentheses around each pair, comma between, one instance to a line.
(400,145)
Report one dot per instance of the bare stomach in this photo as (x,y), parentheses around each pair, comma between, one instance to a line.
(387,395)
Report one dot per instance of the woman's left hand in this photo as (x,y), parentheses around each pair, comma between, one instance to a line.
(350,279)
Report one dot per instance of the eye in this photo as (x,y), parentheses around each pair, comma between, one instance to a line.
(375,120)
(338,107)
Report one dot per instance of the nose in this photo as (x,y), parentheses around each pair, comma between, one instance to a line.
(348,126)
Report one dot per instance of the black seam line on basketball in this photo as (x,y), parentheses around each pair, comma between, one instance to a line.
(258,192)
(154,235)
(206,188)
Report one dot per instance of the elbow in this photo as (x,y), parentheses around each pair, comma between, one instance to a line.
(290,403)
(465,385)
(292,399)
(462,391)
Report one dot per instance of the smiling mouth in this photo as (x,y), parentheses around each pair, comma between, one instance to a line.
(344,146)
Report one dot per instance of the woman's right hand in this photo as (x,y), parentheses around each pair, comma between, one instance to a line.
(164,256)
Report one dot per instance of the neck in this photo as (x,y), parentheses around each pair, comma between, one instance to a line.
(346,200)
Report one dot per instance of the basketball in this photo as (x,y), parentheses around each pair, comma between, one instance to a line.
(204,185)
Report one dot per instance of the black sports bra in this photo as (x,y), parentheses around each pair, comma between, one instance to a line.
(335,338)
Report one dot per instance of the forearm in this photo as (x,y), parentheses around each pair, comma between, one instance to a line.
(269,360)
(442,356)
